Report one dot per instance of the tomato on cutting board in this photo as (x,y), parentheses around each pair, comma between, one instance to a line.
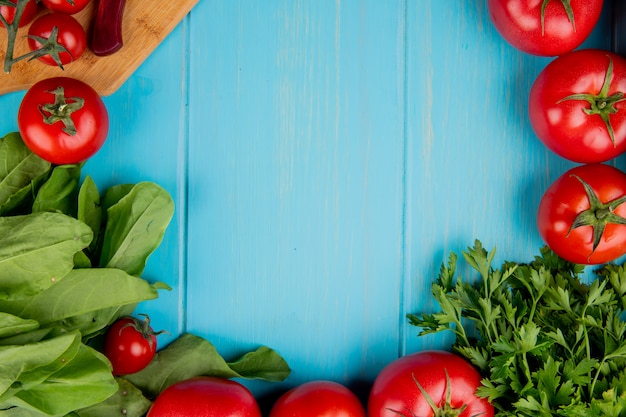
(65,6)
(30,11)
(68,34)
(545,27)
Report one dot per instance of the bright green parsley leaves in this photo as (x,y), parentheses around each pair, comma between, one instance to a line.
(546,342)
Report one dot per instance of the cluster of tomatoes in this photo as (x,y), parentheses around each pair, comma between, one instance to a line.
(64,38)
(413,385)
(577,109)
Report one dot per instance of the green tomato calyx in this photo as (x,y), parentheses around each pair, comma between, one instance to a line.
(142,327)
(61,110)
(598,215)
(50,46)
(568,9)
(444,410)
(601,104)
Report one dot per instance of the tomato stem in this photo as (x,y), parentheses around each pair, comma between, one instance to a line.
(598,215)
(601,104)
(50,46)
(143,327)
(61,110)
(445,410)
(568,10)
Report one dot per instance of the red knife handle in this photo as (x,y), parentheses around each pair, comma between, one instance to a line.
(106,37)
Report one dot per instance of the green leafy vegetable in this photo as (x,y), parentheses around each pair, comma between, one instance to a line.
(70,265)
(89,210)
(37,250)
(51,298)
(87,290)
(128,400)
(11,325)
(60,192)
(135,227)
(190,356)
(55,376)
(19,170)
(547,342)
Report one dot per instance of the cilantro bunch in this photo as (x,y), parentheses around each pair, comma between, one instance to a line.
(548,341)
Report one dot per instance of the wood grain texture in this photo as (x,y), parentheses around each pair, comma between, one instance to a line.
(295,182)
(144,28)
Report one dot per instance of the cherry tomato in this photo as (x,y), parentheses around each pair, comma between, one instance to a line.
(205,397)
(545,27)
(63,29)
(576,106)
(63,120)
(581,216)
(29,13)
(318,399)
(130,344)
(404,387)
(65,6)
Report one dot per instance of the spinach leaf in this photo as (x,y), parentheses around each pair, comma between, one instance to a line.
(135,226)
(19,168)
(90,212)
(11,325)
(114,194)
(32,336)
(60,191)
(24,366)
(127,398)
(190,356)
(37,250)
(85,290)
(83,381)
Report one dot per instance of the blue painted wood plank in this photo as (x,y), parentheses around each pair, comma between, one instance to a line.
(296,182)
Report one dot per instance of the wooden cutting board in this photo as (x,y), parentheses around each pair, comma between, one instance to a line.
(145,25)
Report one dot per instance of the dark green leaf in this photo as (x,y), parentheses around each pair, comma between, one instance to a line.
(37,250)
(19,168)
(127,401)
(135,226)
(87,290)
(60,192)
(190,356)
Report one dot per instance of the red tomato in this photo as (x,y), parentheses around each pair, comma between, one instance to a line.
(580,214)
(65,6)
(318,399)
(576,106)
(29,13)
(205,397)
(562,26)
(130,345)
(63,120)
(396,390)
(69,34)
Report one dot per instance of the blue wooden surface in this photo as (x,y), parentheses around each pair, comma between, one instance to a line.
(325,157)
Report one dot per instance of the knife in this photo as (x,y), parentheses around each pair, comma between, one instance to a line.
(106,37)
